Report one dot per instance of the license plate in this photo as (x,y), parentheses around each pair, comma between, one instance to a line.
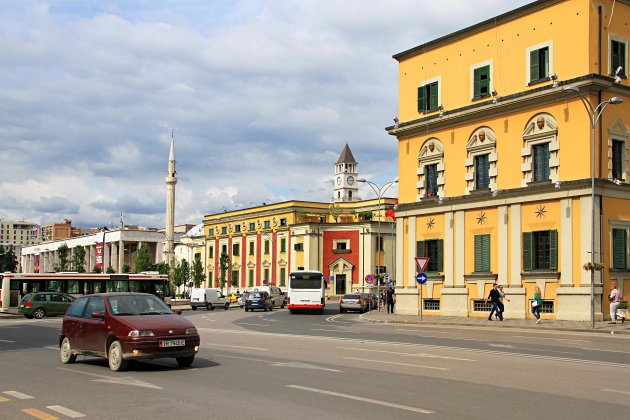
(172,343)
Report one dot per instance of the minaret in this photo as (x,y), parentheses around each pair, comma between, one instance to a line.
(346,174)
(171,180)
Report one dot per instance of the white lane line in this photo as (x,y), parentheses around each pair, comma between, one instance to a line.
(419,330)
(617,391)
(609,351)
(257,325)
(65,411)
(366,400)
(430,356)
(395,363)
(18,395)
(341,331)
(51,347)
(549,338)
(7,341)
(123,380)
(239,347)
(282,364)
(512,346)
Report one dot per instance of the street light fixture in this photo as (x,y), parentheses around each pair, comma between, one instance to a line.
(379,191)
(593,113)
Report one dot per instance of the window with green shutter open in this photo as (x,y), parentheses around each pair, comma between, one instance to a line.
(434,250)
(540,250)
(428,98)
(539,64)
(481,82)
(618,57)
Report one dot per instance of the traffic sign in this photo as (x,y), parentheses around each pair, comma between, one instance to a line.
(421,278)
(386,276)
(422,262)
(369,286)
(369,279)
(332,278)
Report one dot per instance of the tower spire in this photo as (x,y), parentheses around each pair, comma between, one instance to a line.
(171,181)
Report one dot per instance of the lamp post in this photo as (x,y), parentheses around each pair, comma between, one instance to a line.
(379,191)
(594,113)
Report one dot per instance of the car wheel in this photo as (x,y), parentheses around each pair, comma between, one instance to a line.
(340,310)
(39,313)
(194,308)
(211,306)
(28,316)
(266,309)
(227,306)
(185,361)
(292,311)
(115,357)
(66,352)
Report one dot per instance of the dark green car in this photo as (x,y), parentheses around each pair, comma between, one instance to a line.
(41,304)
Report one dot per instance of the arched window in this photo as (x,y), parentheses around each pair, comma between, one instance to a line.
(431,169)
(540,150)
(481,163)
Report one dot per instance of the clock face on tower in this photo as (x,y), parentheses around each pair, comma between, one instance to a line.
(338,180)
(350,180)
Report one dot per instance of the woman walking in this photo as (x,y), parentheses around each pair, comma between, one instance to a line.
(536,304)
(502,298)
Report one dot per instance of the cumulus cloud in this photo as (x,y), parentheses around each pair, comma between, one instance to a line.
(262,97)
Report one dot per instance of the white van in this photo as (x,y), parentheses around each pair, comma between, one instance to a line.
(276,294)
(208,298)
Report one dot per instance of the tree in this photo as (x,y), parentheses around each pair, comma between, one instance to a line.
(78,259)
(8,260)
(162,268)
(181,273)
(97,269)
(224,265)
(110,270)
(126,269)
(334,211)
(62,252)
(143,259)
(197,271)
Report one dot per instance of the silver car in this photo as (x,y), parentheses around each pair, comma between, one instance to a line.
(353,302)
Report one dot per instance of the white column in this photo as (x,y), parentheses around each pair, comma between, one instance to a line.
(586,221)
(459,248)
(566,242)
(409,273)
(449,250)
(516,245)
(502,252)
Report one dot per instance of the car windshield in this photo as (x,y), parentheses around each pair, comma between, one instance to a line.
(255,295)
(125,305)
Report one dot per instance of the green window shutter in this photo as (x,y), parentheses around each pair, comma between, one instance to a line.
(433,96)
(485,253)
(421,105)
(553,249)
(478,253)
(476,85)
(528,260)
(619,251)
(618,56)
(484,81)
(534,66)
(420,249)
(440,255)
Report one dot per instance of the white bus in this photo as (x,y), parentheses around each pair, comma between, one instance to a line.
(306,291)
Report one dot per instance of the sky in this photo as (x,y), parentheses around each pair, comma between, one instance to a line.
(260,97)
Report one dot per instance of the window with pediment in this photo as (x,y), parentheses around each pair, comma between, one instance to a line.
(540,150)
(430,170)
(481,162)
(618,152)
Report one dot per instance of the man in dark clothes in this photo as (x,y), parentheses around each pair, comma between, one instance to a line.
(390,298)
(494,297)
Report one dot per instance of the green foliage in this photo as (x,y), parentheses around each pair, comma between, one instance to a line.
(97,269)
(623,305)
(365,215)
(181,273)
(110,270)
(62,252)
(224,265)
(197,271)
(126,269)
(143,259)
(8,260)
(162,268)
(78,259)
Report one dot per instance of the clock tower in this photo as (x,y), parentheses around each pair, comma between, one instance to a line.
(346,188)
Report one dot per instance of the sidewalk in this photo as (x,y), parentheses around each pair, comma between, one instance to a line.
(600,327)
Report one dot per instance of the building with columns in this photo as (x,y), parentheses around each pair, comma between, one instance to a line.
(513,163)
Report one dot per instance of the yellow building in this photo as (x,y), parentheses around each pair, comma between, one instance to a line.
(495,153)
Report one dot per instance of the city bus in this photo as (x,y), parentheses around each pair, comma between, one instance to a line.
(306,291)
(15,285)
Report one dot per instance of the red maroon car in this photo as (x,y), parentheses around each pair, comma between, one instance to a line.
(126,326)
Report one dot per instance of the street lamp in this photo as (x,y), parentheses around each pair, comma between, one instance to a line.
(593,114)
(379,191)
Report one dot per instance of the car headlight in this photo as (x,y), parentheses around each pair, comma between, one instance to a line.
(141,333)
(191,330)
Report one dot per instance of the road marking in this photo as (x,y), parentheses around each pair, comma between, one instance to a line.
(4,399)
(282,364)
(395,363)
(126,380)
(609,351)
(416,330)
(51,347)
(617,391)
(342,331)
(65,411)
(7,341)
(548,338)
(240,347)
(18,395)
(247,323)
(39,414)
(332,318)
(511,346)
(366,400)
(430,356)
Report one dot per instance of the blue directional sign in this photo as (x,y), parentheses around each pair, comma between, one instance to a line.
(421,278)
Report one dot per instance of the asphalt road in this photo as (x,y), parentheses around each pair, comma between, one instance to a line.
(304,366)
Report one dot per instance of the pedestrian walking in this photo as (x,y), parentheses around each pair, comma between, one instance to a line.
(536,304)
(494,297)
(501,299)
(390,297)
(615,300)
